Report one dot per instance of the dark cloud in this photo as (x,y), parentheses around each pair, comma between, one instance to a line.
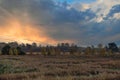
(61,22)
(113,10)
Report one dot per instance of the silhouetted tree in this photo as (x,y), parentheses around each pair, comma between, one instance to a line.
(73,49)
(100,47)
(11,51)
(93,50)
(29,48)
(34,45)
(113,47)
(5,50)
(19,51)
(88,50)
(43,51)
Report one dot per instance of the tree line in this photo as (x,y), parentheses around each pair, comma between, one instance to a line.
(8,50)
(62,48)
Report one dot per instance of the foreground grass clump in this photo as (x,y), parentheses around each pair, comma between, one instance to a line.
(7,69)
(4,68)
(38,67)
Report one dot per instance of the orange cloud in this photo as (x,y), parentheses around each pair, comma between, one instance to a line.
(14,30)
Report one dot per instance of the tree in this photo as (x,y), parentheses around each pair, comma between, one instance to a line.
(100,47)
(29,48)
(15,50)
(34,45)
(103,51)
(11,51)
(43,51)
(88,50)
(73,49)
(5,50)
(93,50)
(113,47)
(58,50)
(19,51)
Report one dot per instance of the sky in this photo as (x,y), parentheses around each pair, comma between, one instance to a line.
(83,22)
(72,1)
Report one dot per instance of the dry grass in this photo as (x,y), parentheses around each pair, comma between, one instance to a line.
(37,67)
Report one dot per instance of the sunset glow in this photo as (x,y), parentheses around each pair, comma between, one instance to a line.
(23,33)
(83,22)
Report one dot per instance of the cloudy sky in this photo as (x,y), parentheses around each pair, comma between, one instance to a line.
(84,22)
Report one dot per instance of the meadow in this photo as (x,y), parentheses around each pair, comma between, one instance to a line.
(62,67)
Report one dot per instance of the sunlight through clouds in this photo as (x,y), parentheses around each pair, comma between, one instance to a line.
(49,21)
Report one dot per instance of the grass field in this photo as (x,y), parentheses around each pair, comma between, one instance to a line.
(37,67)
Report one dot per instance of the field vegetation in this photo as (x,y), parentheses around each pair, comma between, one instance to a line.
(62,62)
(69,67)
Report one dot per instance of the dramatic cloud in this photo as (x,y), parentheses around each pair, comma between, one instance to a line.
(116,16)
(51,21)
(100,7)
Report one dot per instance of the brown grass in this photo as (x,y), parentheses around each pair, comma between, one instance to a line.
(37,67)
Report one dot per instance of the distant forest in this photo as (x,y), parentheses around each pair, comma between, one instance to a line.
(13,48)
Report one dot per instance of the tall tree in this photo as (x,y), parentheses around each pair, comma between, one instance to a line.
(113,47)
(5,50)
